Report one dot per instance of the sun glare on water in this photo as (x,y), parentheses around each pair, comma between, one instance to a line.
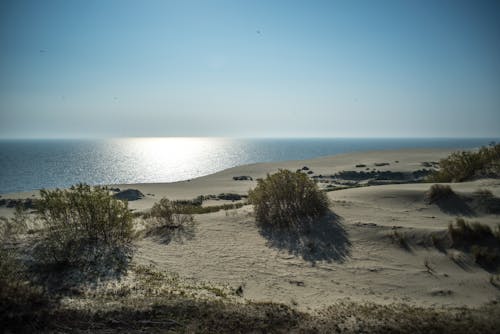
(187,156)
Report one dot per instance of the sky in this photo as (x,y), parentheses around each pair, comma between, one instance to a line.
(122,68)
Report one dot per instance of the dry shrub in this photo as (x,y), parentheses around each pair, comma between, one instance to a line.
(171,214)
(438,192)
(467,165)
(286,198)
(83,225)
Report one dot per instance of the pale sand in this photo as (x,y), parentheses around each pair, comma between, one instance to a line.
(353,260)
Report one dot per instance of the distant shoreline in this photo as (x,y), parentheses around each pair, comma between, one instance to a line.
(26,165)
(222,181)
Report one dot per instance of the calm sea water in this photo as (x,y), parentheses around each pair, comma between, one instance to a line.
(35,164)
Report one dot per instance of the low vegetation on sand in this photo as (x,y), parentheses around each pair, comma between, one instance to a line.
(467,165)
(438,192)
(286,198)
(479,239)
(83,226)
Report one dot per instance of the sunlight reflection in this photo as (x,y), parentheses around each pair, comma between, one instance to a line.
(185,157)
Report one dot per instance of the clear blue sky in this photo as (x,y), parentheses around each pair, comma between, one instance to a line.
(250,68)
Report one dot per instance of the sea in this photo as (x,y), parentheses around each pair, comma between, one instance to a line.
(27,165)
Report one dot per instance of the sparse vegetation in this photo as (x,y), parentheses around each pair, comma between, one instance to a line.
(438,192)
(187,315)
(479,239)
(171,220)
(467,165)
(465,232)
(485,201)
(19,298)
(400,239)
(83,226)
(285,198)
(171,214)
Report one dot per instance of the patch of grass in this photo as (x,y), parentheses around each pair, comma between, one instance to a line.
(438,192)
(482,242)
(400,239)
(190,316)
(209,209)
(464,232)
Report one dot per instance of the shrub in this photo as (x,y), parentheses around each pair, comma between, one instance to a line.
(172,214)
(83,225)
(438,192)
(465,165)
(286,198)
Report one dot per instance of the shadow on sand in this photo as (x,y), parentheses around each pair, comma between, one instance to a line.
(455,205)
(323,239)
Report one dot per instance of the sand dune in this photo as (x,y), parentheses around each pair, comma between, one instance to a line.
(349,255)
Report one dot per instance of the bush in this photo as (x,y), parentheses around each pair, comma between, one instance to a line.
(285,198)
(438,192)
(466,165)
(171,214)
(83,225)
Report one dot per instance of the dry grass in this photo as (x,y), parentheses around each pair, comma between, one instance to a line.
(183,315)
(479,239)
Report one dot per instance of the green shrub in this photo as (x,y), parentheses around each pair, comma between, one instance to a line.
(285,198)
(83,225)
(465,165)
(172,214)
(438,192)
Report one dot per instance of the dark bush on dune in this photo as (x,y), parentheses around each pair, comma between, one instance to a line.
(83,225)
(286,198)
(438,192)
(467,165)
